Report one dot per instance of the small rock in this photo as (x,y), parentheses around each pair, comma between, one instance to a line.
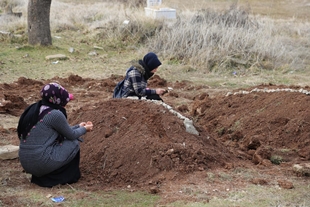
(266,162)
(257,159)
(71,49)
(93,53)
(169,151)
(259,181)
(302,169)
(8,152)
(98,48)
(190,127)
(57,56)
(154,190)
(285,184)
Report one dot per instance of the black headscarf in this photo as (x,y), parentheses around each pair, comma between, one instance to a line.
(150,62)
(54,96)
(148,74)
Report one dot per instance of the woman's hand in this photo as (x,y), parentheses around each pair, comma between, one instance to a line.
(89,126)
(160,91)
(82,124)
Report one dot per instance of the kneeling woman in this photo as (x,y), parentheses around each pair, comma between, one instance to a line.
(49,146)
(137,76)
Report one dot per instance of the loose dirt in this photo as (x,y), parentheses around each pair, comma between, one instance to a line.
(141,145)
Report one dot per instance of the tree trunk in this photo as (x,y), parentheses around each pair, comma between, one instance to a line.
(39,32)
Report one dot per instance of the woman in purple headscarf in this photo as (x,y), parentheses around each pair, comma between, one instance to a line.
(49,146)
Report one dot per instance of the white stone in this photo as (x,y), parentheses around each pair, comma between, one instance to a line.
(190,127)
(57,56)
(8,152)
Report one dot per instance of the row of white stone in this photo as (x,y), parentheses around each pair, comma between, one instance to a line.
(189,123)
(186,121)
(270,91)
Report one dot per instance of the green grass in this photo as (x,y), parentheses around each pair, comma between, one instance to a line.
(116,198)
(205,46)
(76,197)
(276,159)
(256,195)
(29,61)
(250,195)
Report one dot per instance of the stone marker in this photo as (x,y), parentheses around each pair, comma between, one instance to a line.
(8,152)
(302,169)
(57,57)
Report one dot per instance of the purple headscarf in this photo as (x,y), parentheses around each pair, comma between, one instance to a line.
(55,94)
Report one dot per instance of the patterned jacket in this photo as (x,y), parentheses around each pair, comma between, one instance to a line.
(135,84)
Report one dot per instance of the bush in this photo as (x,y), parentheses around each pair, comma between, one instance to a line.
(275,159)
(229,40)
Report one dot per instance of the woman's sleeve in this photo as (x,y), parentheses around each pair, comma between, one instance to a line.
(59,123)
(75,126)
(139,84)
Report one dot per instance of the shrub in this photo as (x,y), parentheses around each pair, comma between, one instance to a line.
(276,159)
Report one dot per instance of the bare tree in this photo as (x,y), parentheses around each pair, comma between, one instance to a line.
(39,32)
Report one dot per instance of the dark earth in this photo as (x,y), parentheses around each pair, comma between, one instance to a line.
(140,145)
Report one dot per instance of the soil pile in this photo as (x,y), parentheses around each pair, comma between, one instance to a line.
(135,141)
(261,123)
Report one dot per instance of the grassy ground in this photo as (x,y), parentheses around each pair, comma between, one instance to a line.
(249,195)
(278,55)
(18,60)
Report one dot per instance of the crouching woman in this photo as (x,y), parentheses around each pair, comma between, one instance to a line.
(49,146)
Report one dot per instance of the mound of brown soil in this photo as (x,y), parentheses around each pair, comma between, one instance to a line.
(134,141)
(278,121)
